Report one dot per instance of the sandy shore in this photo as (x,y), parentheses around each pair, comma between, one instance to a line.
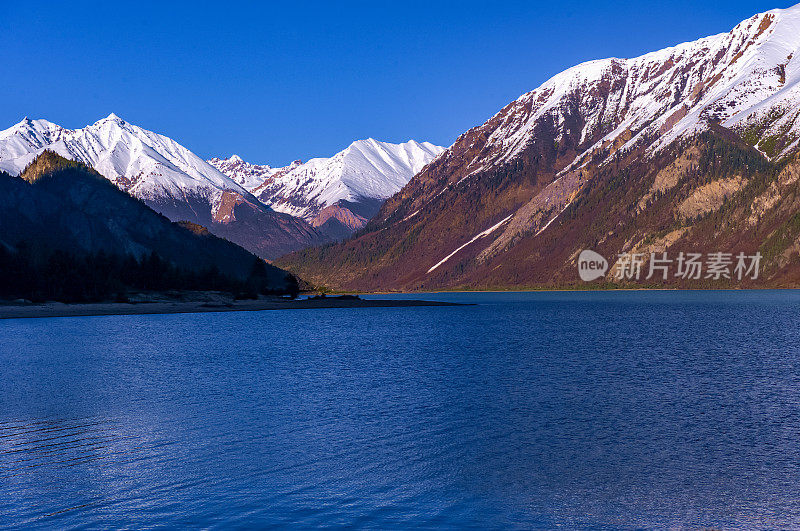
(55,309)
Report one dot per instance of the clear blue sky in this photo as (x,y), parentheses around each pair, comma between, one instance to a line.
(279,81)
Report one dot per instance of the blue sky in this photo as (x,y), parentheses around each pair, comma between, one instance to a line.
(275,82)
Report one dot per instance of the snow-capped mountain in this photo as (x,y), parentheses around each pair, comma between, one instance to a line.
(146,164)
(167,176)
(746,78)
(350,186)
(498,203)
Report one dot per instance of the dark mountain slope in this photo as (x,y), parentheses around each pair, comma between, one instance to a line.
(61,205)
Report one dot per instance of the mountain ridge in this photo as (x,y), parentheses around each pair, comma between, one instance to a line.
(365,171)
(221,193)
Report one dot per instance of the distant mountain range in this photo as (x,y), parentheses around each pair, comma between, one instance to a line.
(692,147)
(337,195)
(172,180)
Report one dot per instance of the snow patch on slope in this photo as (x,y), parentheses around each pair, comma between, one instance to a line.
(478,236)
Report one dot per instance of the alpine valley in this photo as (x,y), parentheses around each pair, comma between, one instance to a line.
(692,148)
(268,211)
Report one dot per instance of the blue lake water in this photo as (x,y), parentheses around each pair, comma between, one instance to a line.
(595,410)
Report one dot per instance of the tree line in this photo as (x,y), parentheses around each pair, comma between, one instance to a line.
(100,276)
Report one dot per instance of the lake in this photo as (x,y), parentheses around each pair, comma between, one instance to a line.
(526,410)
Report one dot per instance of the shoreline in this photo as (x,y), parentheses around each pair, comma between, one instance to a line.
(558,290)
(57,309)
(162,307)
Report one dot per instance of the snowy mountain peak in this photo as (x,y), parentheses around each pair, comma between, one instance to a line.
(146,164)
(24,138)
(747,80)
(110,118)
(27,124)
(393,158)
(367,169)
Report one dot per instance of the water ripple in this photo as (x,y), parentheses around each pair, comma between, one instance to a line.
(527,411)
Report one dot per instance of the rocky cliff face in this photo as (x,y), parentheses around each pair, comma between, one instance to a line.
(617,154)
